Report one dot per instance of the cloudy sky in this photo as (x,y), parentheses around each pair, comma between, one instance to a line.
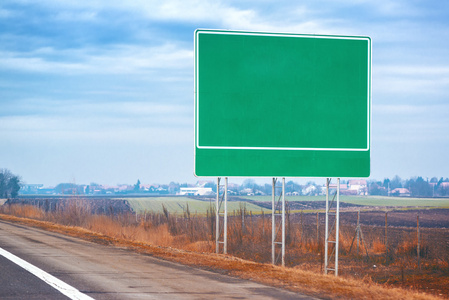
(102,91)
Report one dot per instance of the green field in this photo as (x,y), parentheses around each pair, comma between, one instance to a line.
(365,200)
(178,205)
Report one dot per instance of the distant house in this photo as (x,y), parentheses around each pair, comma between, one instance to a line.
(196,191)
(123,188)
(343,186)
(30,188)
(106,189)
(247,192)
(343,189)
(359,185)
(401,192)
(292,194)
(309,190)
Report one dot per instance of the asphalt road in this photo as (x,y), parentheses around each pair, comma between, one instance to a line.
(106,272)
(17,283)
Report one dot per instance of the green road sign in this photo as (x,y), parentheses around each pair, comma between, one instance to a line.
(269,104)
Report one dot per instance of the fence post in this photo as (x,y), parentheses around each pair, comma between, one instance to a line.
(386,238)
(358,232)
(242,212)
(263,225)
(317,230)
(251,222)
(302,230)
(417,250)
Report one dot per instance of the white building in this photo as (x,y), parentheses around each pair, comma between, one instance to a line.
(196,191)
(360,186)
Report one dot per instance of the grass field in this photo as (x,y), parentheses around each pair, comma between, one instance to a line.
(178,205)
(366,200)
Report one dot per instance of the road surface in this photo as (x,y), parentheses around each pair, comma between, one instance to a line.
(106,272)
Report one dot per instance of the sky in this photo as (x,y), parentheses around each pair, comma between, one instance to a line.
(102,91)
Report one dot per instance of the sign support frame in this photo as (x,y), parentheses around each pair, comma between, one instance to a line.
(223,199)
(334,231)
(279,212)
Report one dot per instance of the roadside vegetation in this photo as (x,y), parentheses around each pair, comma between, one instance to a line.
(381,262)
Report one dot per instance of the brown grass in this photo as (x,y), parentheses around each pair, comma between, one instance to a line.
(189,239)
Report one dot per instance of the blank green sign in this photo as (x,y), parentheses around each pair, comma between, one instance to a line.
(282,104)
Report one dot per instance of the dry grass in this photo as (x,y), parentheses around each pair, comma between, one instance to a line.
(189,239)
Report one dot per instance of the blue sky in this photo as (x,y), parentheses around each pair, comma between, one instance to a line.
(102,91)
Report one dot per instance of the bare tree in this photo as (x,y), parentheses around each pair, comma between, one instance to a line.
(9,184)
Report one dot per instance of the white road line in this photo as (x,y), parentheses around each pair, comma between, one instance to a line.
(61,286)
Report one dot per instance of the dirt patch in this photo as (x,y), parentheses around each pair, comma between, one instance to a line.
(428,218)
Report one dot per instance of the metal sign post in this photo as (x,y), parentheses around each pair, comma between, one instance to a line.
(221,200)
(278,210)
(332,233)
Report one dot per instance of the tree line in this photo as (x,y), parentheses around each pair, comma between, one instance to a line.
(9,184)
(417,186)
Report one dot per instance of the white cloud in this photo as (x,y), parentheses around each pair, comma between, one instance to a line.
(411,80)
(397,8)
(413,70)
(169,10)
(410,110)
(118,60)
(119,122)
(77,16)
(89,112)
(14,61)
(409,123)
(6,13)
(271,16)
(190,11)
